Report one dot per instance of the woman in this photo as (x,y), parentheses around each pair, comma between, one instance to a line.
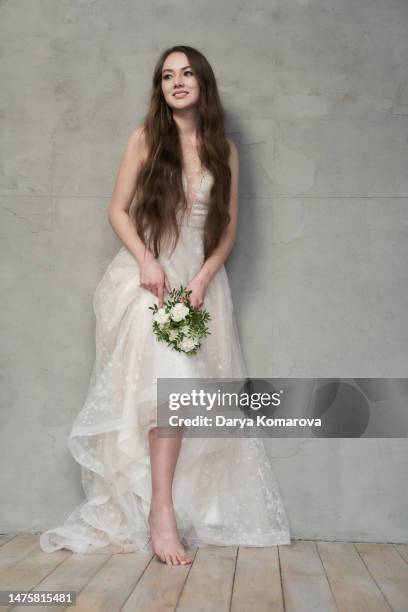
(177,187)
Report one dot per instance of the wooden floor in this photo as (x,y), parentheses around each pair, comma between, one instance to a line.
(306,575)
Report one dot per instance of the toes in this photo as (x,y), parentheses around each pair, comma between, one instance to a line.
(174,558)
(170,559)
(184,559)
(161,557)
(178,559)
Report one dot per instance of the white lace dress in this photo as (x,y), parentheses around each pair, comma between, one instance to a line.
(224,489)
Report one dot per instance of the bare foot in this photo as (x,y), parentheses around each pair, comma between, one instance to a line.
(165,539)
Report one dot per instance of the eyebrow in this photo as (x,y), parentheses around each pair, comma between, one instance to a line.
(170,70)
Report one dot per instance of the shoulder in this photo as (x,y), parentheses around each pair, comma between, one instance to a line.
(137,143)
(233,156)
(233,152)
(233,147)
(138,137)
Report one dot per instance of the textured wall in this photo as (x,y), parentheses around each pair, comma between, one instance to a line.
(316,96)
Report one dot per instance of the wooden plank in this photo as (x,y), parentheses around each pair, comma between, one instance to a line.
(351,583)
(160,587)
(209,583)
(73,574)
(257,583)
(6,537)
(305,586)
(403,550)
(31,569)
(16,548)
(389,570)
(109,589)
(322,576)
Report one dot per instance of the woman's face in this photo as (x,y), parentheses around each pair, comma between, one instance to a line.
(179,78)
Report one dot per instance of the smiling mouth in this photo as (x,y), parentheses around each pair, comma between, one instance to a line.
(180,94)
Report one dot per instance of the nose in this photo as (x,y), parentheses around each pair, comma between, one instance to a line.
(179,81)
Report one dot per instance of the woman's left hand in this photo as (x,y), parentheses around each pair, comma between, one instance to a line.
(198,286)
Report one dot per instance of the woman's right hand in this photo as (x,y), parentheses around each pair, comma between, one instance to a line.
(154,279)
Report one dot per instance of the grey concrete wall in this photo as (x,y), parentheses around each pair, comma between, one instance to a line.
(316,95)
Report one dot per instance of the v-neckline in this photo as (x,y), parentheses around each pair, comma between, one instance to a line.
(198,190)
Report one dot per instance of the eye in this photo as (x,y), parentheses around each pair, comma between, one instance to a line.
(169,75)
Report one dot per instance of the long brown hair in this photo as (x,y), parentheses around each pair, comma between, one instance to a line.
(159,189)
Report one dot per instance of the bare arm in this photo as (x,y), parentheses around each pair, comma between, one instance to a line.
(123,193)
(220,254)
(152,276)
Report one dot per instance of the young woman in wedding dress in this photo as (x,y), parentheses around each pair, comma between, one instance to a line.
(178,180)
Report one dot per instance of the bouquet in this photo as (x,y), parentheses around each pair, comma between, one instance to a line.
(179,323)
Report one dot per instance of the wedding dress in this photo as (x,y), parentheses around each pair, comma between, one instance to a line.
(224,489)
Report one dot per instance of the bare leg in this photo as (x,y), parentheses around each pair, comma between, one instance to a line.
(165,539)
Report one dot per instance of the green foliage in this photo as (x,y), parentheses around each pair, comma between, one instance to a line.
(173,332)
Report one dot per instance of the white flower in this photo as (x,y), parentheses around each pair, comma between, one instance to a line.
(179,312)
(173,334)
(187,344)
(185,330)
(161,316)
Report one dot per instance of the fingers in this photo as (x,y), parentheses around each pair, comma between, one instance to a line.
(160,292)
(150,287)
(156,284)
(196,302)
(158,289)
